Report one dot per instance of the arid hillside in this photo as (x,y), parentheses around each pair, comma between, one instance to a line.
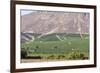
(55,22)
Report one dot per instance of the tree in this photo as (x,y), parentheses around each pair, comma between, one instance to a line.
(23,53)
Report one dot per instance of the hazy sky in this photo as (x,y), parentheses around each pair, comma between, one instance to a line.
(25,12)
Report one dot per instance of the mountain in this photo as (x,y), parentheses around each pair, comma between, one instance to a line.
(44,22)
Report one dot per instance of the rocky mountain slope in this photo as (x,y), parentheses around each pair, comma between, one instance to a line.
(55,22)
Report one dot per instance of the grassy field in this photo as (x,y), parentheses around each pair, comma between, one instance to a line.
(49,47)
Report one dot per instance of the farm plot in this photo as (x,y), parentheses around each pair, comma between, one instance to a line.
(57,46)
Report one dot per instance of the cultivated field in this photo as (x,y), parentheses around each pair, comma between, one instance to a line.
(56,46)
